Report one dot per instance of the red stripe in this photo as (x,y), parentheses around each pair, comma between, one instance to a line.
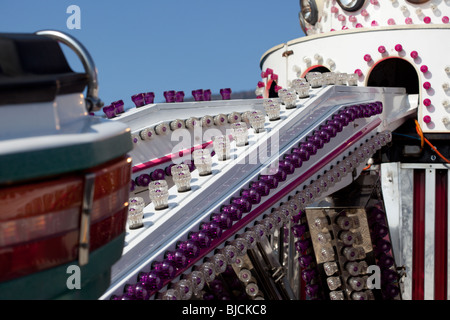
(302,289)
(440,269)
(418,257)
(53,237)
(42,254)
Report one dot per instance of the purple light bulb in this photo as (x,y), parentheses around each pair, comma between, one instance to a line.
(261,187)
(308,275)
(243,204)
(225,93)
(251,195)
(158,174)
(118,106)
(350,113)
(179,96)
(207,95)
(317,141)
(330,129)
(168,169)
(298,230)
(311,147)
(169,96)
(391,291)
(138,99)
(303,153)
(302,245)
(136,291)
(311,289)
(213,229)
(287,166)
(337,124)
(149,97)
(305,261)
(178,258)
(198,95)
(343,118)
(233,211)
(385,261)
(189,249)
(383,246)
(359,109)
(295,159)
(165,269)
(281,174)
(110,111)
(201,239)
(150,280)
(324,135)
(379,106)
(380,230)
(389,276)
(270,180)
(143,180)
(222,219)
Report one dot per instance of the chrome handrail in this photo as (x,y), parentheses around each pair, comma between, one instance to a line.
(93,102)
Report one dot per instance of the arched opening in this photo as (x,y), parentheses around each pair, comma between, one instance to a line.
(394,72)
(316,68)
(320,69)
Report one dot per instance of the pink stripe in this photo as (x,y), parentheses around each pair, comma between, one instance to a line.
(169,157)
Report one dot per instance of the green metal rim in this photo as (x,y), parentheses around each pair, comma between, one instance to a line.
(25,166)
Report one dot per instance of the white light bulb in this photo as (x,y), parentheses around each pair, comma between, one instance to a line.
(240,133)
(220,119)
(207,121)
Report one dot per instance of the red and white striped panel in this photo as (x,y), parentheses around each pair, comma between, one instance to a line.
(416,199)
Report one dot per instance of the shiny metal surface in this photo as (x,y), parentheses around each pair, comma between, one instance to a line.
(398,183)
(390,183)
(85,219)
(93,101)
(406,228)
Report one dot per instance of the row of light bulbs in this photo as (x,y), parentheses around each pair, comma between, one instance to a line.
(275,220)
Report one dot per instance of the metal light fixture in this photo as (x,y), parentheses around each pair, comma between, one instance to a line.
(351,5)
(308,13)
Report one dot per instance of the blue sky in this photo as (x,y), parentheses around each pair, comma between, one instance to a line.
(141,46)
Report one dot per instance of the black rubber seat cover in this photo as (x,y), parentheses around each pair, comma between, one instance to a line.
(34,69)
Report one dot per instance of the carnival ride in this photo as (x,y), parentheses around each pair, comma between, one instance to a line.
(331,184)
